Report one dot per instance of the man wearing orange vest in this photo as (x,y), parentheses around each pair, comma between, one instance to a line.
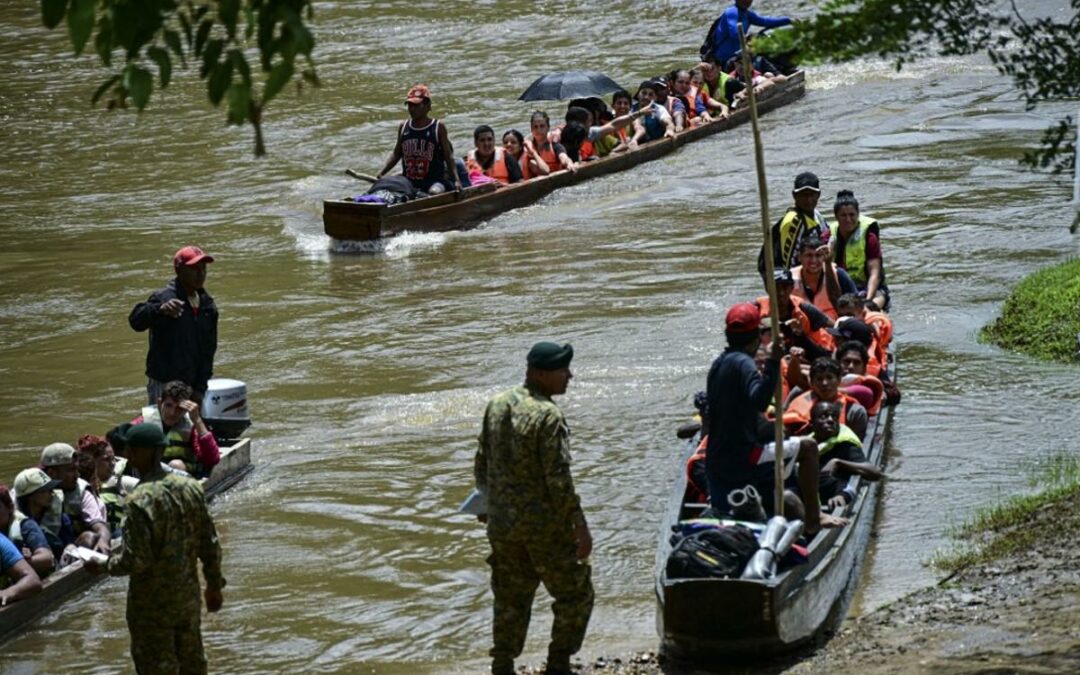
(825,386)
(802,324)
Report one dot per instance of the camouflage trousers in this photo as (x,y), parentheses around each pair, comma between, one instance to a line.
(517,568)
(167,649)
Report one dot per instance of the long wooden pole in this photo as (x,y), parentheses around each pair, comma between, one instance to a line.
(770,281)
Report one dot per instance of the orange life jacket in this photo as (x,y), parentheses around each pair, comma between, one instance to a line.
(871,383)
(497,170)
(820,337)
(696,494)
(797,414)
(547,153)
(523,161)
(586,150)
(821,294)
(883,325)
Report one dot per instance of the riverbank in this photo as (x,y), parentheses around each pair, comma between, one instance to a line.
(1010,603)
(1041,316)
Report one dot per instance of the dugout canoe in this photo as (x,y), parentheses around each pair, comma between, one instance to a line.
(353,221)
(58,587)
(702,620)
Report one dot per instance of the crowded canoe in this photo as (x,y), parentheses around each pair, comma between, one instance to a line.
(831,357)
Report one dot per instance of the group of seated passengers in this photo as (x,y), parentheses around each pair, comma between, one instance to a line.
(661,107)
(75,495)
(835,338)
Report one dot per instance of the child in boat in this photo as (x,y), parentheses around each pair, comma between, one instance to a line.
(531,164)
(841,456)
(192,448)
(655,121)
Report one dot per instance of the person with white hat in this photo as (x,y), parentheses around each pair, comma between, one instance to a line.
(85,509)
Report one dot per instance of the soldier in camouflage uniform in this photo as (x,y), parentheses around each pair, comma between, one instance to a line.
(166,527)
(535,523)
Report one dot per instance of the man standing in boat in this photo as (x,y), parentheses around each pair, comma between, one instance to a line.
(166,529)
(423,147)
(737,397)
(182,319)
(535,524)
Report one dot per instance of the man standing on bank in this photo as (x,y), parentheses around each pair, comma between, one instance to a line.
(167,527)
(182,319)
(535,523)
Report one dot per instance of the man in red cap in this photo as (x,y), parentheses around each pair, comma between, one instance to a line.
(738,395)
(423,147)
(182,319)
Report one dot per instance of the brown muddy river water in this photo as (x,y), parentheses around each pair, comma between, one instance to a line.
(368,372)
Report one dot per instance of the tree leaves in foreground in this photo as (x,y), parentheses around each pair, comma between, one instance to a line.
(138,38)
(1041,55)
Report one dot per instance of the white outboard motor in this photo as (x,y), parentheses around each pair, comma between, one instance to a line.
(225,408)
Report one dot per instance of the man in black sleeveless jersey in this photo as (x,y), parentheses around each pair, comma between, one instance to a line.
(423,147)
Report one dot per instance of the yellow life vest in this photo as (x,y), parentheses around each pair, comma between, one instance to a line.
(791,228)
(844,435)
(851,253)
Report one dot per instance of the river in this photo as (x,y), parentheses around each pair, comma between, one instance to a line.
(368,372)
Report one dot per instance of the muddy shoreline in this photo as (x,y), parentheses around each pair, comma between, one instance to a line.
(1019,613)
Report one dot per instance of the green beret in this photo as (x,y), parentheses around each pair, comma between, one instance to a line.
(145,435)
(549,356)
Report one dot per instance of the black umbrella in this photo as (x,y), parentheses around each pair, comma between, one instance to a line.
(574,84)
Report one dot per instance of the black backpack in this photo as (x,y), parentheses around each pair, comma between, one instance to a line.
(709,45)
(713,553)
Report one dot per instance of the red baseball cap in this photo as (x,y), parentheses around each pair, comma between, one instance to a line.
(744,317)
(191,255)
(418,94)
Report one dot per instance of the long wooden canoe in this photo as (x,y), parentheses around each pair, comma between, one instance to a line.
(349,220)
(234,465)
(705,619)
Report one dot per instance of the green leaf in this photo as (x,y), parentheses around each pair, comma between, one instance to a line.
(139,83)
(164,64)
(240,63)
(278,78)
(103,41)
(228,10)
(219,81)
(249,22)
(201,35)
(185,24)
(239,102)
(172,39)
(81,22)
(52,12)
(302,40)
(104,88)
(210,56)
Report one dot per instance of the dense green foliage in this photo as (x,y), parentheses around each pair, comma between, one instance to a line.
(132,37)
(1042,315)
(1042,56)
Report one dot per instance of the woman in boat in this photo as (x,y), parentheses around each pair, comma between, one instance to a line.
(540,145)
(26,534)
(531,164)
(98,466)
(856,244)
(487,160)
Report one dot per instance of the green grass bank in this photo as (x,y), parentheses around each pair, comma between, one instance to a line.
(1041,316)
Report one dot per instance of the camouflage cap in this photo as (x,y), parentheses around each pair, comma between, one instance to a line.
(145,435)
(549,356)
(57,454)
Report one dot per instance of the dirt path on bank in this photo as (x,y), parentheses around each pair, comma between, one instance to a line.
(1017,614)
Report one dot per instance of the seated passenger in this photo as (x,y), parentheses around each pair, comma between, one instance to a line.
(540,144)
(718,89)
(585,150)
(655,122)
(847,328)
(26,534)
(673,105)
(487,160)
(682,89)
(38,497)
(86,511)
(856,248)
(797,222)
(824,386)
(622,104)
(851,304)
(815,276)
(841,456)
(98,467)
(192,448)
(20,581)
(854,380)
(531,165)
(575,141)
(802,324)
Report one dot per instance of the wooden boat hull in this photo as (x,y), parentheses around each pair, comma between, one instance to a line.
(353,221)
(706,619)
(234,465)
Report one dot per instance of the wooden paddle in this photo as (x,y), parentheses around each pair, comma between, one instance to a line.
(770,282)
(360,176)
